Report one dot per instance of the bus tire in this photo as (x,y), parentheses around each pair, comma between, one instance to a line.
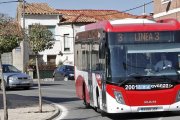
(87,105)
(98,102)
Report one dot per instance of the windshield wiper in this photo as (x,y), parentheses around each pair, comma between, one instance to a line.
(131,77)
(135,74)
(125,81)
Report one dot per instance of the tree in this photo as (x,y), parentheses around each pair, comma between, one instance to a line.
(10,37)
(40,39)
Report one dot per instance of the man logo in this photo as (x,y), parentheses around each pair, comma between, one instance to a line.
(150,102)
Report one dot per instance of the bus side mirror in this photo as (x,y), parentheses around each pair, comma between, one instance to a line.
(102,49)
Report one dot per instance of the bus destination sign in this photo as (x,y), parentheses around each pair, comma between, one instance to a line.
(141,37)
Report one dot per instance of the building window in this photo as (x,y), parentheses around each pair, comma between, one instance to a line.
(52,29)
(165,1)
(51,59)
(66,42)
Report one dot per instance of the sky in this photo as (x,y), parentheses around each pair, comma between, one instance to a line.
(121,5)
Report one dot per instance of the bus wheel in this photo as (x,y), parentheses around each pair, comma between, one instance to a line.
(87,105)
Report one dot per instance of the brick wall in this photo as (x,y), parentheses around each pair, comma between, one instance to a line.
(167,9)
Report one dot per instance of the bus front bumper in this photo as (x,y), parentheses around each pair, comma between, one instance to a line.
(133,109)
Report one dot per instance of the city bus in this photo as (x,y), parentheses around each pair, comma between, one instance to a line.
(115,65)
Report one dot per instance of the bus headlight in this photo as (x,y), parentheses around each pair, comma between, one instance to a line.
(119,97)
(178,96)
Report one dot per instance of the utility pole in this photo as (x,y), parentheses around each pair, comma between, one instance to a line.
(23,44)
(24,36)
(144,9)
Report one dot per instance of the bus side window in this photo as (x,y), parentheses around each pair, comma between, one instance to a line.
(102,49)
(178,64)
(97,67)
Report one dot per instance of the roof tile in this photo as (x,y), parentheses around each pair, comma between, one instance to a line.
(89,15)
(39,8)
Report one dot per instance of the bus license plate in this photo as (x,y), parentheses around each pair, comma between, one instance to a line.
(24,82)
(148,109)
(143,87)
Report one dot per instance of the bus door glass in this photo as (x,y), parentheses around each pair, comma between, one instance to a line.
(90,82)
(102,60)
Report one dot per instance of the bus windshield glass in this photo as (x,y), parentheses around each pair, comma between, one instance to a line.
(155,60)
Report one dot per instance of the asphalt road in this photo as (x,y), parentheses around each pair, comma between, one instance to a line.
(63,94)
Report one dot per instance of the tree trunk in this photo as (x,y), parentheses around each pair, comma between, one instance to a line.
(39,85)
(4,91)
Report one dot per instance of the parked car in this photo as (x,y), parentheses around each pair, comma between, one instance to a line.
(64,72)
(14,78)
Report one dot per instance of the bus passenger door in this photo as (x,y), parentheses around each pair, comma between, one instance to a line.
(90,82)
(103,92)
(103,60)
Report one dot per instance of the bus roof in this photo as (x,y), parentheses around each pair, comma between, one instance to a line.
(133,25)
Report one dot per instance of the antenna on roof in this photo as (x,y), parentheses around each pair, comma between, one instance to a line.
(144,9)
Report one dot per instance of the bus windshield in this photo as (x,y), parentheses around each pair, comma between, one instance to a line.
(143,60)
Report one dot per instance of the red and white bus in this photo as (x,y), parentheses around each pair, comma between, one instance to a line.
(116,61)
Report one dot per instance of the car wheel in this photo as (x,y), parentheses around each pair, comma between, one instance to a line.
(65,78)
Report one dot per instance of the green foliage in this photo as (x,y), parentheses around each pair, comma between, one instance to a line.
(8,43)
(40,38)
(10,35)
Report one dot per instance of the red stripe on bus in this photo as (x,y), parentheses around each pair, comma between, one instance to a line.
(79,89)
(145,98)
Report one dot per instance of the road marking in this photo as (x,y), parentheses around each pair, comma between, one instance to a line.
(160,118)
(63,111)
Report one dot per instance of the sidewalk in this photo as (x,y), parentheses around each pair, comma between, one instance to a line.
(26,108)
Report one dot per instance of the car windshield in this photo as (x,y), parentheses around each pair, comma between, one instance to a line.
(10,69)
(70,68)
(137,60)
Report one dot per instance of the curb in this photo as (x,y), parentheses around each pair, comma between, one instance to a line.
(56,113)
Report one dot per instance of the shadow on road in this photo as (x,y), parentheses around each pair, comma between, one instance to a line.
(129,116)
(60,99)
(50,84)
(18,101)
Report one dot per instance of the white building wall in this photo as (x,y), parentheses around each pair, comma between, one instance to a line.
(48,20)
(60,30)
(68,56)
